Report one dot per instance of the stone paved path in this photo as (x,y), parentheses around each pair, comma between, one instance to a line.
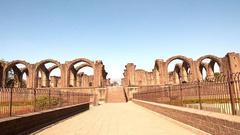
(117,119)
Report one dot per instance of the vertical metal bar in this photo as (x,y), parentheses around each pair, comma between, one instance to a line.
(10,105)
(170,94)
(60,98)
(67,98)
(199,95)
(35,99)
(230,83)
(49,97)
(181,95)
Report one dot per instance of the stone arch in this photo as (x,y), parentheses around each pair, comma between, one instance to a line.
(47,61)
(186,61)
(200,68)
(50,69)
(17,71)
(72,76)
(210,65)
(177,73)
(179,57)
(41,63)
(82,66)
(15,62)
(211,57)
(75,61)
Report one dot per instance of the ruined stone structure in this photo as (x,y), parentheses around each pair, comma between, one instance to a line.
(38,75)
(188,71)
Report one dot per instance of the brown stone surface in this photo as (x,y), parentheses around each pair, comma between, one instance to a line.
(69,74)
(115,94)
(119,119)
(214,123)
(188,71)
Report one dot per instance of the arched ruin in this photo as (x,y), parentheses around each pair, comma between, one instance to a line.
(188,71)
(38,75)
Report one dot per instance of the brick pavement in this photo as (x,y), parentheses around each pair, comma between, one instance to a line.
(117,119)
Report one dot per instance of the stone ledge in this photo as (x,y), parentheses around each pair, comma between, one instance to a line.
(30,122)
(211,122)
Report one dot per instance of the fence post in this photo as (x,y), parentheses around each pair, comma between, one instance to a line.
(10,105)
(35,99)
(199,95)
(169,94)
(67,98)
(230,84)
(49,97)
(181,96)
(60,98)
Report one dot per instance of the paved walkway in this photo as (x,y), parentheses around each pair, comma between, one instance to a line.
(117,119)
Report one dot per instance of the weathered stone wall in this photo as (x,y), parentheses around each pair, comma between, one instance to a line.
(38,75)
(210,122)
(188,71)
(28,123)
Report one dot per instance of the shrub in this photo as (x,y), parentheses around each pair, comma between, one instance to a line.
(44,102)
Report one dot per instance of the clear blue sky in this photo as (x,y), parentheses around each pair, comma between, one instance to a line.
(118,31)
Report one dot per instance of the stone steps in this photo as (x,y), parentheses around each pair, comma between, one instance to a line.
(115,95)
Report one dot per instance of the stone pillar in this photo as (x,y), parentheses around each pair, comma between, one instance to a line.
(98,76)
(39,83)
(64,72)
(72,80)
(233,62)
(45,79)
(130,74)
(54,81)
(160,66)
(1,75)
(184,75)
(30,76)
(210,72)
(79,80)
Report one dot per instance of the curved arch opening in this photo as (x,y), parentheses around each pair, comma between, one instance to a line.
(80,74)
(55,77)
(16,76)
(211,67)
(178,71)
(48,74)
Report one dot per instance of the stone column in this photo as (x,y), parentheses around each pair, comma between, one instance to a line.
(54,81)
(98,76)
(130,74)
(233,62)
(1,75)
(161,67)
(79,79)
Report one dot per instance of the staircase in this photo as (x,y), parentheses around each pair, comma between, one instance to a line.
(115,95)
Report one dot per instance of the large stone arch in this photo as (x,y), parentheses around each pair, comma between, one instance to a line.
(39,64)
(50,69)
(178,57)
(17,71)
(70,66)
(185,60)
(214,59)
(75,61)
(211,57)
(82,66)
(15,62)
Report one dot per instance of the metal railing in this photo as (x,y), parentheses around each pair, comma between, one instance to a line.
(17,101)
(221,94)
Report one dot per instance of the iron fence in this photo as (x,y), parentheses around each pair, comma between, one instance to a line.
(17,101)
(221,94)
